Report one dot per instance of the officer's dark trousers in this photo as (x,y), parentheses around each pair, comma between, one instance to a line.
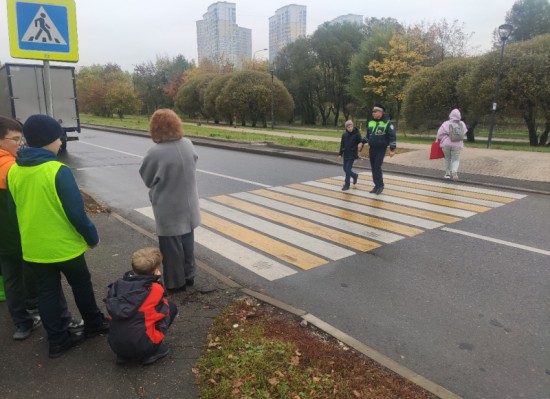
(376,156)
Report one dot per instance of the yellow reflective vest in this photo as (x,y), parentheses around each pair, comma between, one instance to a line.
(47,235)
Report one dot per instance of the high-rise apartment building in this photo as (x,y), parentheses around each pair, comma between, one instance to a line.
(349,18)
(220,39)
(287,25)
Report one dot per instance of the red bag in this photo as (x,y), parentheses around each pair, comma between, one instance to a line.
(436,152)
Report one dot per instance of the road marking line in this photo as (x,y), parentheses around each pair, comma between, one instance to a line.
(242,256)
(356,203)
(198,170)
(453,186)
(447,190)
(293,237)
(329,189)
(423,198)
(288,253)
(497,241)
(351,211)
(288,204)
(314,229)
(416,189)
(234,178)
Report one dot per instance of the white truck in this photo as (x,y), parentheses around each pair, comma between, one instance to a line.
(22,95)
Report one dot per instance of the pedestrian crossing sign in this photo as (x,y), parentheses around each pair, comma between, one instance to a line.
(43,29)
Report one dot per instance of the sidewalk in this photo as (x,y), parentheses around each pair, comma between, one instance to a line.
(89,370)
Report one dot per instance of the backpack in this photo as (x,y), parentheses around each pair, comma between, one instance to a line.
(456,131)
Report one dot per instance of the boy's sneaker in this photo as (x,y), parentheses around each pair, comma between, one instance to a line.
(21,333)
(161,351)
(455,175)
(75,325)
(447,176)
(58,350)
(102,328)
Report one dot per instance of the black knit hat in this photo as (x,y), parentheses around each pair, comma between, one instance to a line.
(41,130)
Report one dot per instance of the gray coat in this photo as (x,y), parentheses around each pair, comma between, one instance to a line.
(168,170)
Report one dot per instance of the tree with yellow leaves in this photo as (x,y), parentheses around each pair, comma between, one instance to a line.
(406,54)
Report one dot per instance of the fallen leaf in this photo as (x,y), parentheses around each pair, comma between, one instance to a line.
(273,381)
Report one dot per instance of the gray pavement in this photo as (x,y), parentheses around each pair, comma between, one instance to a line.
(89,371)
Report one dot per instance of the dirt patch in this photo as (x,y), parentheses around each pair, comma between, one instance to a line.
(92,206)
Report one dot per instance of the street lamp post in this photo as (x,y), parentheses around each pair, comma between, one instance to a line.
(272,101)
(504,32)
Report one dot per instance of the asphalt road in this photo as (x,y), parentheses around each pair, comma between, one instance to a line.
(467,313)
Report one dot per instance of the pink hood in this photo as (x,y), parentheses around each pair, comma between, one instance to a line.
(455,115)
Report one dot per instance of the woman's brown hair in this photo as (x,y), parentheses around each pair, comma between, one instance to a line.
(165,125)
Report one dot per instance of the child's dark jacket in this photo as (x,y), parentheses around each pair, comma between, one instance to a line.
(138,310)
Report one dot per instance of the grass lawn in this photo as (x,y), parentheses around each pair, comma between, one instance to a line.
(500,140)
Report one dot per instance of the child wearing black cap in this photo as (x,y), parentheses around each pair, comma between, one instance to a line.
(55,232)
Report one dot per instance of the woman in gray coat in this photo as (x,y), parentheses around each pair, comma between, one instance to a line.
(168,170)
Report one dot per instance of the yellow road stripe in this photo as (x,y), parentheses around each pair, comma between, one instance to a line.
(421,198)
(315,229)
(341,213)
(444,190)
(289,254)
(438,217)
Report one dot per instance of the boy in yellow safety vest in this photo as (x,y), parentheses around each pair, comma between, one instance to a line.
(55,232)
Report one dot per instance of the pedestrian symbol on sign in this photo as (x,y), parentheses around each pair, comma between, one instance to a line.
(42,29)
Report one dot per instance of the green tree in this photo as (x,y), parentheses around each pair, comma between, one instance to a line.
(247,96)
(334,45)
(433,93)
(530,18)
(121,99)
(190,97)
(523,88)
(213,90)
(296,66)
(97,82)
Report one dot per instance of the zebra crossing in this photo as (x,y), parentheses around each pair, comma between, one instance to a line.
(278,231)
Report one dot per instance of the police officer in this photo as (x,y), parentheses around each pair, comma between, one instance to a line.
(380,135)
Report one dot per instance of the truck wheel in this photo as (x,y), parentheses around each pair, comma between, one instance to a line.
(63,142)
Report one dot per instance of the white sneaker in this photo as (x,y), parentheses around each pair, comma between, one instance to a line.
(447,176)
(455,176)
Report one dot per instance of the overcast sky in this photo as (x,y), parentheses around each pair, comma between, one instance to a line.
(130,32)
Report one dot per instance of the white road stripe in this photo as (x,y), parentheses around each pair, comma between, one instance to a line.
(497,241)
(396,200)
(241,255)
(321,218)
(198,170)
(303,241)
(434,194)
(234,178)
(364,209)
(471,189)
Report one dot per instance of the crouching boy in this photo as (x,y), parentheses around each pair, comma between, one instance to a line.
(139,311)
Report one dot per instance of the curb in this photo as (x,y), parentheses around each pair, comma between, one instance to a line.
(366,350)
